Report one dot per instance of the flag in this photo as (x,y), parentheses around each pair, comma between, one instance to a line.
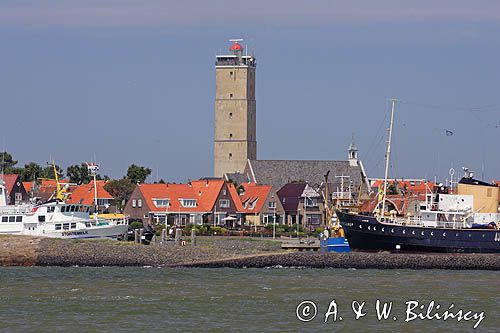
(449,133)
(92,167)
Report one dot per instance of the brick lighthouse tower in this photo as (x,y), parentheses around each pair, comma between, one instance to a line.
(235,111)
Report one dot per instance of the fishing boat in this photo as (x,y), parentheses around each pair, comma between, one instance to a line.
(464,219)
(332,239)
(56,219)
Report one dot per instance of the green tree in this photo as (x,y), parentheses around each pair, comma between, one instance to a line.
(120,190)
(78,174)
(48,172)
(137,174)
(7,163)
(31,172)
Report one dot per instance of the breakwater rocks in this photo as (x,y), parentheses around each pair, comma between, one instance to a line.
(362,260)
(236,252)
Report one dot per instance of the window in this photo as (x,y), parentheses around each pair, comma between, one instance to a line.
(134,203)
(51,209)
(224,203)
(231,73)
(272,205)
(161,202)
(66,226)
(5,219)
(12,219)
(41,218)
(102,202)
(313,219)
(230,135)
(139,203)
(230,95)
(58,227)
(19,219)
(252,204)
(63,209)
(269,218)
(230,115)
(73,225)
(230,156)
(311,202)
(18,196)
(188,202)
(224,192)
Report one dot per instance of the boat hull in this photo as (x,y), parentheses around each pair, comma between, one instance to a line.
(367,233)
(112,231)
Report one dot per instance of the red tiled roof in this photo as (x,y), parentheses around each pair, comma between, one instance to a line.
(205,192)
(10,181)
(84,193)
(28,186)
(254,194)
(235,196)
(411,186)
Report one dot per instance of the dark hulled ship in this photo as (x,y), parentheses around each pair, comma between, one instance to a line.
(461,222)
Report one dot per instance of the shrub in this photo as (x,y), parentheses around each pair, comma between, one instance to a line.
(136,225)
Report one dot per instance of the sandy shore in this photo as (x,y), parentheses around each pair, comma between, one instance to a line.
(234,252)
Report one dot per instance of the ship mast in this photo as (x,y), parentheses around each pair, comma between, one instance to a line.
(387,157)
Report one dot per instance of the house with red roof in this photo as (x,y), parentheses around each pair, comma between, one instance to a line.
(86,193)
(258,203)
(203,201)
(16,193)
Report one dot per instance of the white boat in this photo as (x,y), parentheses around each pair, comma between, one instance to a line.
(56,219)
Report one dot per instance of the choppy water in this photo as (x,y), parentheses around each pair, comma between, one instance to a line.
(51,299)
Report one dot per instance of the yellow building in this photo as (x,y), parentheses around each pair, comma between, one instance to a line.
(485,195)
(235,111)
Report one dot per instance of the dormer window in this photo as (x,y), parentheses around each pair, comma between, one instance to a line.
(252,204)
(188,202)
(161,203)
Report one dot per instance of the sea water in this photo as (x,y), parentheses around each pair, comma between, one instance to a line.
(108,299)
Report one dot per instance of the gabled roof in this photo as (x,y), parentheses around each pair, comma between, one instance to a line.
(290,195)
(413,186)
(84,194)
(253,199)
(280,172)
(28,186)
(204,191)
(10,180)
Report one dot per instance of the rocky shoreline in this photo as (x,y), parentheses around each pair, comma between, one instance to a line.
(235,252)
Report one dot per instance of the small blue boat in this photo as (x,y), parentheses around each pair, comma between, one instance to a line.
(334,244)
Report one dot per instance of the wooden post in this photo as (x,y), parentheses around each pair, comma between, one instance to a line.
(178,234)
(136,235)
(141,234)
(193,237)
(163,236)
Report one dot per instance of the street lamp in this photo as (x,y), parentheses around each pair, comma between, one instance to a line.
(274,222)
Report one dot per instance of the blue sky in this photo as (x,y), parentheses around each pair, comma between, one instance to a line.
(133,82)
